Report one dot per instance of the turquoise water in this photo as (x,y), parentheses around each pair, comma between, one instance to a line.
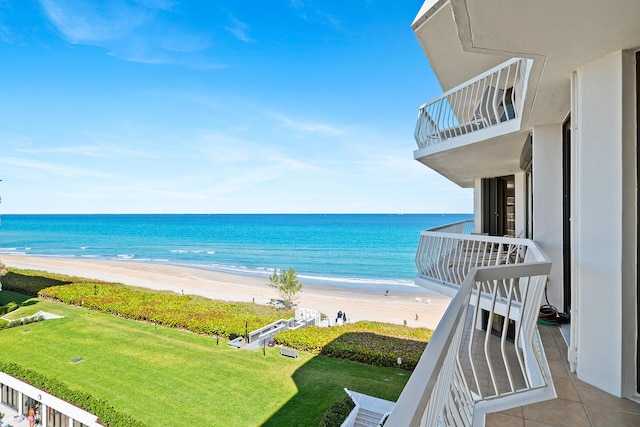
(356,250)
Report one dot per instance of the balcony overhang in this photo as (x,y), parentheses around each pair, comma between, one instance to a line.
(463,38)
(461,161)
(475,130)
(437,33)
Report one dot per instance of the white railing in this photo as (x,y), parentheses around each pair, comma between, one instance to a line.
(490,99)
(460,227)
(467,370)
(444,258)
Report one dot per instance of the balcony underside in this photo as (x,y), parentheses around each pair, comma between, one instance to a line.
(463,158)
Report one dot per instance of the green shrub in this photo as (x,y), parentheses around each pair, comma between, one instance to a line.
(20,322)
(196,314)
(373,343)
(337,413)
(9,307)
(30,282)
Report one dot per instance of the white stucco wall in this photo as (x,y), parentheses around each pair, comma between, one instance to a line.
(521,204)
(598,231)
(547,203)
(629,225)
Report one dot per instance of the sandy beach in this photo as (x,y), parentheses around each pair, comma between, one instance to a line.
(397,307)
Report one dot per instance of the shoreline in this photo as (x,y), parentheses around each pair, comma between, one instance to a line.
(359,304)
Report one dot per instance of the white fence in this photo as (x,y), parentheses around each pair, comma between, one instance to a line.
(486,354)
(489,99)
(444,258)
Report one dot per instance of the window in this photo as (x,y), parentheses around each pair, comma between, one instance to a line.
(57,419)
(10,396)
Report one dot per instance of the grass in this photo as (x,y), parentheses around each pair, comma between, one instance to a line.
(164,376)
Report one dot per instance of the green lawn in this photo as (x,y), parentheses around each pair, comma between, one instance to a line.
(166,377)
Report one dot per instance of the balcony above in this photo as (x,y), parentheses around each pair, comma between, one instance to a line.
(463,38)
(475,129)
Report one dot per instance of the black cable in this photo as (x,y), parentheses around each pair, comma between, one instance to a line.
(548,314)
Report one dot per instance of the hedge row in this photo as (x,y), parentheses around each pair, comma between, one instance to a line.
(6,324)
(373,343)
(337,413)
(30,282)
(106,413)
(196,314)
(8,307)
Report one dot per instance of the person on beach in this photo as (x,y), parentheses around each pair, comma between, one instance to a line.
(386,293)
(32,417)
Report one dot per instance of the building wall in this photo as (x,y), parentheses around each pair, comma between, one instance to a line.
(547,203)
(598,230)
(629,225)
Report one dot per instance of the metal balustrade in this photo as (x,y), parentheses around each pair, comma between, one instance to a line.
(486,354)
(490,99)
(460,227)
(469,369)
(445,258)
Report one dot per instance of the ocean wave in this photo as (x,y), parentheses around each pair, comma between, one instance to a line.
(125,256)
(344,282)
(191,251)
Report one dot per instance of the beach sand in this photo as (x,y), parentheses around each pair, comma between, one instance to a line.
(397,307)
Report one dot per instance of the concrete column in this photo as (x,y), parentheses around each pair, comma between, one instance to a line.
(547,203)
(521,204)
(44,411)
(477,205)
(599,230)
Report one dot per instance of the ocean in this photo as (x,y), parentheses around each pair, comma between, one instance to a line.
(346,250)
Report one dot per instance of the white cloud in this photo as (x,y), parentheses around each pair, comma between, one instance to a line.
(88,150)
(305,127)
(239,29)
(90,22)
(53,168)
(131,30)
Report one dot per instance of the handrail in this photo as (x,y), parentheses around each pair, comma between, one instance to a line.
(444,259)
(466,372)
(487,100)
(460,227)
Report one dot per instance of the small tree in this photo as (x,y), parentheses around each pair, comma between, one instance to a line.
(286,285)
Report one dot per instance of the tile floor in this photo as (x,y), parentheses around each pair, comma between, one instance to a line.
(578,404)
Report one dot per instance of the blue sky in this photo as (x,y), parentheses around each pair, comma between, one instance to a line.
(163,106)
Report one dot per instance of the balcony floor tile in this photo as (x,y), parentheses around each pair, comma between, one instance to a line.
(578,403)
